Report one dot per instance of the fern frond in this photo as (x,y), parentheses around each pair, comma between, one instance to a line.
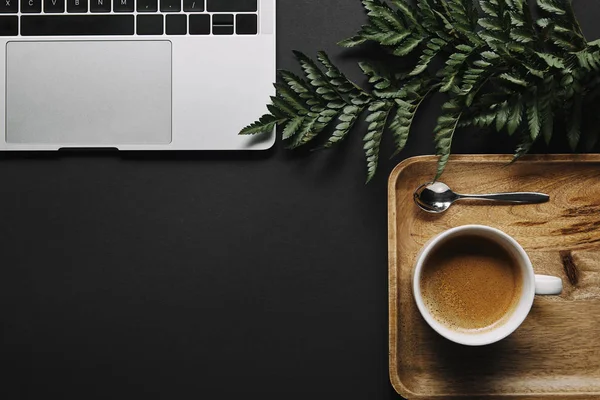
(498,67)
(444,133)
(292,127)
(377,119)
(336,79)
(317,78)
(515,118)
(551,7)
(347,120)
(353,41)
(523,148)
(265,125)
(533,119)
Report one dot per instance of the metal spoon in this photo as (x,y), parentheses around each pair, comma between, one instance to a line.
(437,197)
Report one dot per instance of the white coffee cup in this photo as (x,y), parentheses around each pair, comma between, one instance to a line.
(532,285)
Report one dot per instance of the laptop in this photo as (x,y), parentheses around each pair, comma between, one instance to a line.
(135,74)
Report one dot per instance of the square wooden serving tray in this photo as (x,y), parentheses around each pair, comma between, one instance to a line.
(555,354)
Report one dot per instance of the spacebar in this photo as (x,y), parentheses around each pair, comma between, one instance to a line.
(73,25)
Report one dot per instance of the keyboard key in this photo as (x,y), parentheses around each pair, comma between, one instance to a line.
(147,5)
(77,6)
(223,30)
(246,24)
(54,6)
(193,5)
(74,25)
(9,26)
(223,19)
(99,6)
(176,24)
(231,5)
(199,24)
(123,5)
(170,5)
(31,6)
(149,24)
(9,6)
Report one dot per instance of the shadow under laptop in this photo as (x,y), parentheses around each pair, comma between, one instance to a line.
(114,153)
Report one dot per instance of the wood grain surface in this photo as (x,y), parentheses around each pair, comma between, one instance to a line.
(556,352)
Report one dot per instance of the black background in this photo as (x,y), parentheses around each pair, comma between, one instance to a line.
(207,275)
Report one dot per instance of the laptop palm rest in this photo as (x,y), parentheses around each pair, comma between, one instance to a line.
(88,93)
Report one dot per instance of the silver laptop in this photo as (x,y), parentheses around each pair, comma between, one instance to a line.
(135,74)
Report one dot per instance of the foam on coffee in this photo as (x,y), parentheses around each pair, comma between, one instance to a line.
(471,283)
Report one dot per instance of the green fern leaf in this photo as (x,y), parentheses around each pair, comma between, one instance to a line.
(377,120)
(444,134)
(488,9)
(515,118)
(265,125)
(336,78)
(551,60)
(407,46)
(490,55)
(433,49)
(464,48)
(521,35)
(306,132)
(407,11)
(385,12)
(280,108)
(533,119)
(287,99)
(523,148)
(300,88)
(402,122)
(352,41)
(547,116)
(316,77)
(394,38)
(513,79)
(502,116)
(490,24)
(550,7)
(347,119)
(292,127)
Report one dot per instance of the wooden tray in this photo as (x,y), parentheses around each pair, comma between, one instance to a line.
(556,352)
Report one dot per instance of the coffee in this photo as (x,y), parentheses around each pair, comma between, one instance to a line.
(470,283)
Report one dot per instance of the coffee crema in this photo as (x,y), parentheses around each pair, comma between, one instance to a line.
(471,283)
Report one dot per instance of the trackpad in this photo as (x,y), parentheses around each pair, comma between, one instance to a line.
(91,93)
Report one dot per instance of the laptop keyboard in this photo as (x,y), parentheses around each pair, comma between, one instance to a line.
(128,17)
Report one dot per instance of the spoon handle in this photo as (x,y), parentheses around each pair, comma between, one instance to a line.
(518,197)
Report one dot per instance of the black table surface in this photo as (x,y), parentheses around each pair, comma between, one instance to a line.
(207,275)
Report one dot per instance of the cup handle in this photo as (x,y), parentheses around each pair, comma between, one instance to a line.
(548,285)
